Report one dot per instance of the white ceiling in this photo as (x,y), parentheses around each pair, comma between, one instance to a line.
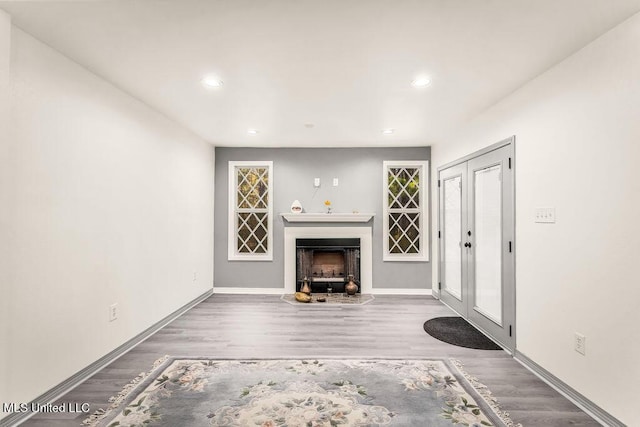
(343,65)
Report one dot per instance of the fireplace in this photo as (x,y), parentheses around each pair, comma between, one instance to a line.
(327,263)
(338,231)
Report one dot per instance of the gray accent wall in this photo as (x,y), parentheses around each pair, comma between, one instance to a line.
(359,171)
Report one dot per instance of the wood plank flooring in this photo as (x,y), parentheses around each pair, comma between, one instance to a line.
(263,326)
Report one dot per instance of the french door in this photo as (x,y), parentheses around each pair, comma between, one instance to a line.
(476,221)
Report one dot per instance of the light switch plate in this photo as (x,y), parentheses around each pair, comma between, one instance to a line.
(545,215)
(335,182)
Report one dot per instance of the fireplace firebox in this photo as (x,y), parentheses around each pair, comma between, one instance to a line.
(327,263)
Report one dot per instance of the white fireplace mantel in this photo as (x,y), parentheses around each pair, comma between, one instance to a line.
(325,217)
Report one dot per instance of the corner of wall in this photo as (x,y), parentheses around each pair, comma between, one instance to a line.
(5,198)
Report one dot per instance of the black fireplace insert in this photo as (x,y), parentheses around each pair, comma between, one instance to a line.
(327,263)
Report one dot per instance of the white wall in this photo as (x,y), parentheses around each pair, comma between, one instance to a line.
(577,133)
(112,203)
(5,48)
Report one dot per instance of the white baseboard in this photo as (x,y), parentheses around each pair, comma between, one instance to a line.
(280,291)
(596,412)
(405,291)
(244,291)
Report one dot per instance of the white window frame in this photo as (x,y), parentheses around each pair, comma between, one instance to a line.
(423,210)
(233,254)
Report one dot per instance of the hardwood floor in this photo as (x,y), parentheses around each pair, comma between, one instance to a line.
(263,326)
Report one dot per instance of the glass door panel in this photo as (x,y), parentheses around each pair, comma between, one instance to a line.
(452,228)
(488,242)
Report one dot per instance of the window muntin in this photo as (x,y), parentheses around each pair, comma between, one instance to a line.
(250,210)
(405,210)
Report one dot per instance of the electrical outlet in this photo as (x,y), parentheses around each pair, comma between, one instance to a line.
(316,182)
(335,182)
(113,312)
(580,343)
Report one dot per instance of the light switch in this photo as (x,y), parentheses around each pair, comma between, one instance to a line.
(545,215)
(316,182)
(335,182)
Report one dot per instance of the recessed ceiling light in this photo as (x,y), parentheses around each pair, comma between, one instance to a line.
(211,82)
(388,131)
(421,81)
(252,131)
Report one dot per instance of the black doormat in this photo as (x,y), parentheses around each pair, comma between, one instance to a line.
(457,331)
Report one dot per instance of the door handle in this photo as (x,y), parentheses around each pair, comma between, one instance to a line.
(467,244)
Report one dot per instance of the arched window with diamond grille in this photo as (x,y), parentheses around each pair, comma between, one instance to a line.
(405,189)
(250,211)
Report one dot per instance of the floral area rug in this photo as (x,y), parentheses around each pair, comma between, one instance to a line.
(296,393)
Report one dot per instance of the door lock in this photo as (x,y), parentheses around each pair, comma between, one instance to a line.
(467,244)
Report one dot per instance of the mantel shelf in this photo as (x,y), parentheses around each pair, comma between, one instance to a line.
(325,217)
